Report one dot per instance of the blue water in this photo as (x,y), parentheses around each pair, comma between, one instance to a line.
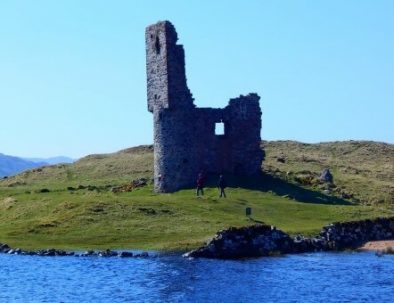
(321,277)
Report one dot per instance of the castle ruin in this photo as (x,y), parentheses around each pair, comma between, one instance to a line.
(185,142)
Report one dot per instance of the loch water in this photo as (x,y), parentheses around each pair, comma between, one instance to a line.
(318,277)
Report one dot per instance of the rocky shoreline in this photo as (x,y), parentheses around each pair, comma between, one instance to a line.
(265,240)
(256,241)
(6,249)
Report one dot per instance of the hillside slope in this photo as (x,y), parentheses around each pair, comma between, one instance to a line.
(363,170)
(101,169)
(74,205)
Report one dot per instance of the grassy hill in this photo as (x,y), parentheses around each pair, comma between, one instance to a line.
(363,170)
(73,206)
(116,168)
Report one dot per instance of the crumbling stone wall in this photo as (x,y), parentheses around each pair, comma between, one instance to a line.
(185,142)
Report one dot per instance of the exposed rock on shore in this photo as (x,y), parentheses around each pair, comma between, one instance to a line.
(265,240)
(251,241)
(351,235)
(6,249)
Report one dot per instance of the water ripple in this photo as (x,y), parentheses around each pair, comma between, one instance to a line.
(322,277)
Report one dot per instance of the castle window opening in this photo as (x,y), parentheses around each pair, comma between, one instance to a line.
(219,128)
(157,45)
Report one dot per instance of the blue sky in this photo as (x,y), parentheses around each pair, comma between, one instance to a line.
(73,81)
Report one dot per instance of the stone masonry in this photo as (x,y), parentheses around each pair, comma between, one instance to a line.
(185,142)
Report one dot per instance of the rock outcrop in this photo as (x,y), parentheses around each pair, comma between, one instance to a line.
(326,176)
(251,241)
(350,235)
(265,240)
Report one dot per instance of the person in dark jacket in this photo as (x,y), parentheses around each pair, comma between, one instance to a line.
(200,184)
(222,185)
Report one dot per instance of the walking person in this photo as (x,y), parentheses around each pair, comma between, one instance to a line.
(222,185)
(200,184)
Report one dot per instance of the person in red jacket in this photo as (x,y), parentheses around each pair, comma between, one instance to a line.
(200,184)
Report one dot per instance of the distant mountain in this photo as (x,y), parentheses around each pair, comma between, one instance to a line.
(52,160)
(10,165)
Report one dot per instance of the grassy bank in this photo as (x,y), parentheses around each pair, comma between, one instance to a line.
(95,217)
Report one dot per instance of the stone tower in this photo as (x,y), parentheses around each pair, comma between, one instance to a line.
(185,142)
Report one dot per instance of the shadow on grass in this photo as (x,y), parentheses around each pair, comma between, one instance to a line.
(256,221)
(267,183)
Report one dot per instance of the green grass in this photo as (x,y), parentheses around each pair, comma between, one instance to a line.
(363,170)
(141,219)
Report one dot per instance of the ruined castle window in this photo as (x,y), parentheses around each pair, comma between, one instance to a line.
(219,128)
(157,45)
